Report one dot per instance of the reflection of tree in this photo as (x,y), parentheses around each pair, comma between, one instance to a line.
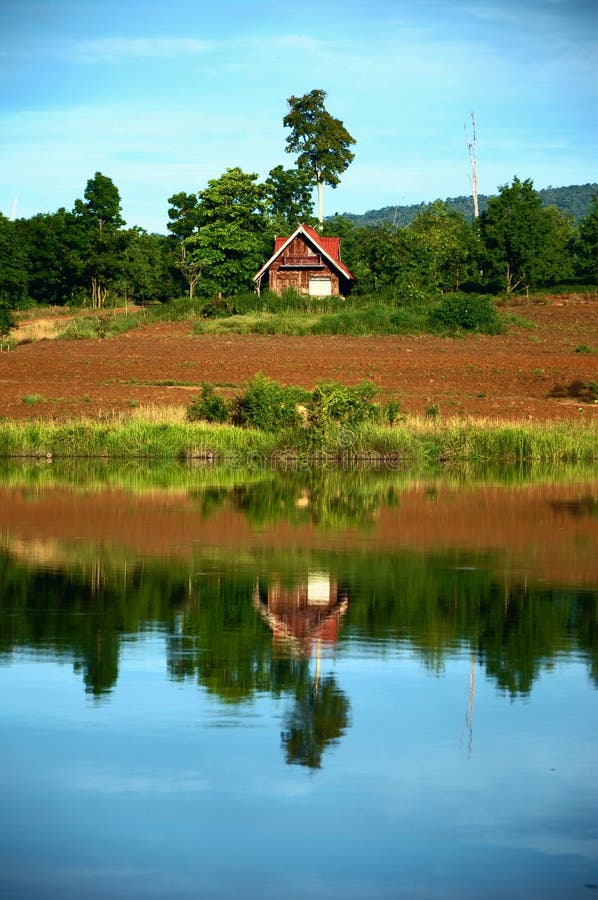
(436,603)
(319,717)
(317,495)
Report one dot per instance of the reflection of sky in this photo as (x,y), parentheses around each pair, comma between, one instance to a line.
(161,791)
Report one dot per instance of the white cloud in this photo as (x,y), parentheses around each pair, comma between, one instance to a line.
(115,48)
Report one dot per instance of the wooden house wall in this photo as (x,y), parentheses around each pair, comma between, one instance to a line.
(280,277)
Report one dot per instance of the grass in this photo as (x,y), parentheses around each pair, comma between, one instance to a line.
(291,314)
(415,440)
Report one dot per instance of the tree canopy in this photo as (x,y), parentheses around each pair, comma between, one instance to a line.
(525,243)
(320,141)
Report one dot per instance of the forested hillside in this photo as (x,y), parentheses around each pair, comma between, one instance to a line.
(574,200)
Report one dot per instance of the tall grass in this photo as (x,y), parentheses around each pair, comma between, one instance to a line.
(415,440)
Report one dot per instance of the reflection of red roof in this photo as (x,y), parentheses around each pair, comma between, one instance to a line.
(296,623)
(329,246)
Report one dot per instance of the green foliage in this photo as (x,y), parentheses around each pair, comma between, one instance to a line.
(392,411)
(52,244)
(267,405)
(147,273)
(13,265)
(336,410)
(321,141)
(289,199)
(526,245)
(7,321)
(207,406)
(101,206)
(451,243)
(587,242)
(468,312)
(222,234)
(100,243)
(573,201)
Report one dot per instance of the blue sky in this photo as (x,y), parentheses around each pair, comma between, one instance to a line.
(162,96)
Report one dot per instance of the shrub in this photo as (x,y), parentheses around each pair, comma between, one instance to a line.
(335,406)
(267,405)
(469,312)
(586,391)
(392,411)
(7,321)
(216,308)
(207,406)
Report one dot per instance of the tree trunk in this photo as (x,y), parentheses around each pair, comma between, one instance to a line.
(320,205)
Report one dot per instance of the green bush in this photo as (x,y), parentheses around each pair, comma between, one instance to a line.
(217,308)
(207,406)
(7,321)
(468,312)
(267,405)
(335,407)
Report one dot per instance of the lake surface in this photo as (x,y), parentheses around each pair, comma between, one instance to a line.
(221,683)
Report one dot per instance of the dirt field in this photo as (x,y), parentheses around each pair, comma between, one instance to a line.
(506,377)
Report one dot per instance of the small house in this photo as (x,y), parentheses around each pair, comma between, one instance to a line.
(307,263)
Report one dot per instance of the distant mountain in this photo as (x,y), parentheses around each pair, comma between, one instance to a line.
(574,200)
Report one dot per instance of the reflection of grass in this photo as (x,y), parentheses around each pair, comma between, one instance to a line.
(291,488)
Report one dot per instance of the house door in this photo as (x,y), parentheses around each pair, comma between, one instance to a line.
(320,287)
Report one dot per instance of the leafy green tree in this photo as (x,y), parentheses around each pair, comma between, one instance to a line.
(289,199)
(526,245)
(183,215)
(101,206)
(54,260)
(222,232)
(321,141)
(587,242)
(13,265)
(148,272)
(451,242)
(385,258)
(101,242)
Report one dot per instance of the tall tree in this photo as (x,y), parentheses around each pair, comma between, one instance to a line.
(321,141)
(102,242)
(526,244)
(223,233)
(101,206)
(289,199)
(54,256)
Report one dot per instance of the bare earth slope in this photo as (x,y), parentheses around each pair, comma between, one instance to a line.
(506,377)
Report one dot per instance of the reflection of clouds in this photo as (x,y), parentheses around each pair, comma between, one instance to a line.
(112,782)
(271,786)
(555,843)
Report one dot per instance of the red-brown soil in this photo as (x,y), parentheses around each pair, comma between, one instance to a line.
(502,377)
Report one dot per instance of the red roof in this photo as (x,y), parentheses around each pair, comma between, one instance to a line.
(330,246)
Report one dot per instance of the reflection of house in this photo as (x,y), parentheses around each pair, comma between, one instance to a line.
(307,263)
(302,615)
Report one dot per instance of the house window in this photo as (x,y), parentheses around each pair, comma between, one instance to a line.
(320,287)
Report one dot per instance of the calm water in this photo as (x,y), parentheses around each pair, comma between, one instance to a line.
(301,685)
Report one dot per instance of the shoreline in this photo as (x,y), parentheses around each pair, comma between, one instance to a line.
(413,440)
